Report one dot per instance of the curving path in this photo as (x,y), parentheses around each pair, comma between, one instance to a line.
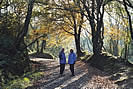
(86,77)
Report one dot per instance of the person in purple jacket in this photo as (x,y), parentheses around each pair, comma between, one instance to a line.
(62,60)
(71,61)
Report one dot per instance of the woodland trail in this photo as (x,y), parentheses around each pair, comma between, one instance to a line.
(86,77)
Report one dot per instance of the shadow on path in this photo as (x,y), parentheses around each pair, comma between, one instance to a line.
(81,80)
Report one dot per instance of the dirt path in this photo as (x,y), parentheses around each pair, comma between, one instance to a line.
(86,77)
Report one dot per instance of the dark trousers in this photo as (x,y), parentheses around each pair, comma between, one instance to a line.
(62,67)
(72,68)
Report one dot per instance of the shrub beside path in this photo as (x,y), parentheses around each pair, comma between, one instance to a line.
(86,77)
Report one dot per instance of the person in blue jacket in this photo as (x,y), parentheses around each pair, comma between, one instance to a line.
(62,59)
(71,60)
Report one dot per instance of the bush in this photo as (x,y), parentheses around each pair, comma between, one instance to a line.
(18,84)
(22,82)
(13,61)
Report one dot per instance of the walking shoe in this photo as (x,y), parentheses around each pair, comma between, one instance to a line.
(72,75)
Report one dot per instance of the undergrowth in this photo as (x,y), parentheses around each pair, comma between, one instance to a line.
(22,82)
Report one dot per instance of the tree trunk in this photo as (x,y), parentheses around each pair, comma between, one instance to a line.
(43,45)
(0,12)
(78,48)
(97,27)
(97,45)
(110,46)
(24,31)
(125,56)
(77,36)
(129,19)
(37,44)
(115,47)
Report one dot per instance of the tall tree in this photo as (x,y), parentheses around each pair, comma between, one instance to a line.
(127,3)
(95,13)
(20,37)
(77,30)
(72,20)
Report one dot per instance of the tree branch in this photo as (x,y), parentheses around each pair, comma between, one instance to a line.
(34,41)
(129,19)
(68,31)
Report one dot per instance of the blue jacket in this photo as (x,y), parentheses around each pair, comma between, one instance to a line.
(62,58)
(72,58)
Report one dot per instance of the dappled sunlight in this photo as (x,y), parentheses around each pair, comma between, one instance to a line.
(72,80)
(39,59)
(85,77)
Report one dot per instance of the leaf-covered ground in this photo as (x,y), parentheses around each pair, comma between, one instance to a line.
(86,77)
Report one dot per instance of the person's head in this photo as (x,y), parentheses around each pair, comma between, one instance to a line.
(62,50)
(71,50)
